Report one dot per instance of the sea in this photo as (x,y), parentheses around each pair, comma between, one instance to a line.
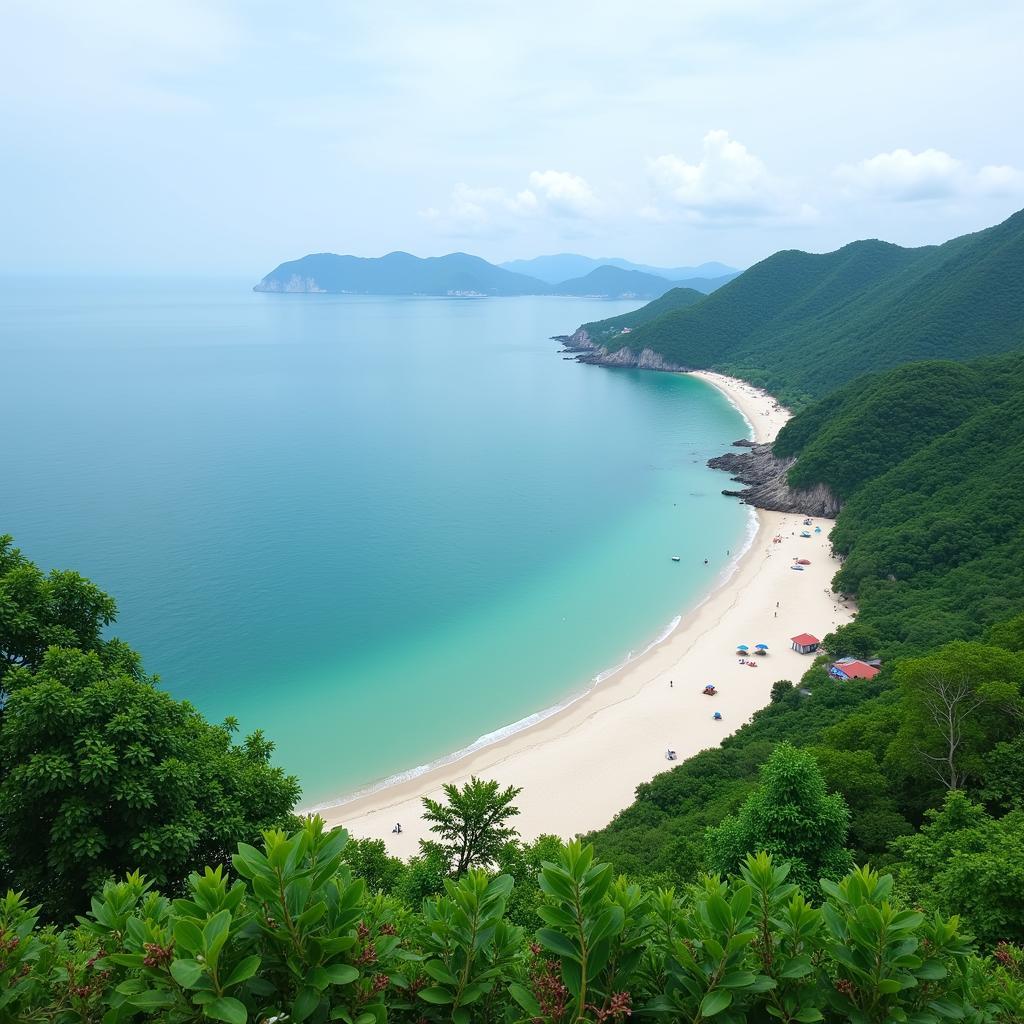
(382,530)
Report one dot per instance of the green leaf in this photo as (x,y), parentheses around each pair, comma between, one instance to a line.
(715,1002)
(215,932)
(186,972)
(558,943)
(525,998)
(798,967)
(342,974)
(718,912)
(152,999)
(227,1009)
(243,971)
(931,970)
(738,979)
(306,1001)
(188,936)
(947,1008)
(439,972)
(808,1016)
(437,995)
(460,1016)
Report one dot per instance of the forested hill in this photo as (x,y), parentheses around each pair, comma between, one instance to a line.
(606,332)
(927,457)
(801,324)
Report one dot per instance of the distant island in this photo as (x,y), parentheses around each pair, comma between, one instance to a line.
(460,274)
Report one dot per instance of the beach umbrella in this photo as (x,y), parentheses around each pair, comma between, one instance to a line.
(803,561)
(742,647)
(761,647)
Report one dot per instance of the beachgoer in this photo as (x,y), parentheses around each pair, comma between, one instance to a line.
(705,561)
(671,684)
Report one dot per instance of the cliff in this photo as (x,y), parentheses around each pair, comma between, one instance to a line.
(588,351)
(765,476)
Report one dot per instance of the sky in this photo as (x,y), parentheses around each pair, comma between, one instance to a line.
(221,138)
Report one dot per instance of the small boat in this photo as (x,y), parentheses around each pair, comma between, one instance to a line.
(804,533)
(799,568)
(675,558)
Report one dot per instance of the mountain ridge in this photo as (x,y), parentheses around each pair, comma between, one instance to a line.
(459,273)
(802,324)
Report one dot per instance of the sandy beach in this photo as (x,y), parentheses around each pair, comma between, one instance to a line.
(579,767)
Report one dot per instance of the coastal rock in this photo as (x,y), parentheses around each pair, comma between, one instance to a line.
(764,474)
(295,283)
(588,351)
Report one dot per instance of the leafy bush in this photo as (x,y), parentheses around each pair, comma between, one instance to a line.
(296,938)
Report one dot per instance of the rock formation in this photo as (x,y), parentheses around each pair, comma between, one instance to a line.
(764,475)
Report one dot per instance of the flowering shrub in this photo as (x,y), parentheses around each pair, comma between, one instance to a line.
(287,935)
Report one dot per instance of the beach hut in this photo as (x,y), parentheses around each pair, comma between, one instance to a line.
(760,648)
(853,668)
(804,643)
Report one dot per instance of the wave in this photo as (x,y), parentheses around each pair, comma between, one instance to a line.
(490,738)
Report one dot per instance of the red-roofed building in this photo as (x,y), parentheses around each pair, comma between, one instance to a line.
(805,643)
(853,668)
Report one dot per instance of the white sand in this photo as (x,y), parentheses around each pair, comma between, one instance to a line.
(581,766)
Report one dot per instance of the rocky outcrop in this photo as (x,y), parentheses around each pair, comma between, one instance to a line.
(587,350)
(764,475)
(295,283)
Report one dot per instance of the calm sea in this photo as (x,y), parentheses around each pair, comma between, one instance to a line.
(380,529)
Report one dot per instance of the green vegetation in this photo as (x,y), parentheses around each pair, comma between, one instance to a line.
(791,816)
(292,935)
(727,890)
(605,332)
(802,324)
(927,458)
(471,824)
(738,900)
(100,771)
(929,756)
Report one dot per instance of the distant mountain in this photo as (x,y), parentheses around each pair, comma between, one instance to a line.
(803,324)
(615,283)
(398,273)
(566,266)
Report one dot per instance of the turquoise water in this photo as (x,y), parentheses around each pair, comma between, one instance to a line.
(378,528)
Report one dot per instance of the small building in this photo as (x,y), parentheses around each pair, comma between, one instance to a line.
(804,643)
(854,668)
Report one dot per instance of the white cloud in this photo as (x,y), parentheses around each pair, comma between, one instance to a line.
(727,184)
(903,176)
(473,210)
(565,194)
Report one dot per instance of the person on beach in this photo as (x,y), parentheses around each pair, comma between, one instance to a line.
(398,828)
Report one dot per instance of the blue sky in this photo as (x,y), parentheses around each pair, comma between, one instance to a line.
(225,137)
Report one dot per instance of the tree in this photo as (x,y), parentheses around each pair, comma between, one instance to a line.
(472,823)
(39,611)
(792,817)
(963,858)
(959,702)
(100,771)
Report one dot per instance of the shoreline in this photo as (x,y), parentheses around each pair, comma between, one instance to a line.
(580,763)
